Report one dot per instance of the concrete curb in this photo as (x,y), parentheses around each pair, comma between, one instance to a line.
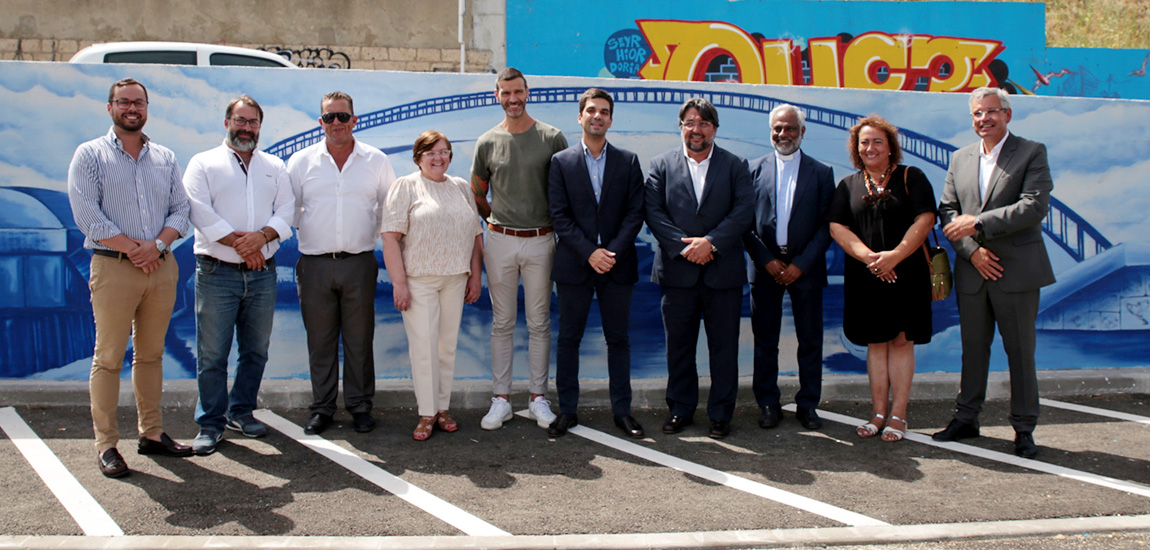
(827,536)
(648,392)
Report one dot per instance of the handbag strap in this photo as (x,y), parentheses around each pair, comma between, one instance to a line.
(925,251)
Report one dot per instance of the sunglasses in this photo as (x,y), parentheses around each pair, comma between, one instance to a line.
(329,117)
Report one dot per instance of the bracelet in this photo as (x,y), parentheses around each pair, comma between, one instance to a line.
(266,238)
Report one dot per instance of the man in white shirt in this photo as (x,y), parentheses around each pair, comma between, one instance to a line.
(241,207)
(340,187)
(787,244)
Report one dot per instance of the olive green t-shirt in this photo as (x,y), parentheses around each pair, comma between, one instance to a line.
(515,166)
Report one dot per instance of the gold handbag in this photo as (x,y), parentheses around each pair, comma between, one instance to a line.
(941,279)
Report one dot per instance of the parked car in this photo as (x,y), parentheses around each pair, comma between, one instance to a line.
(178,53)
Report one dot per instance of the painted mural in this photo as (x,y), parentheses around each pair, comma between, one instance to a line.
(1097,315)
(921,46)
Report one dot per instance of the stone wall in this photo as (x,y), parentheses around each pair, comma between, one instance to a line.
(357,34)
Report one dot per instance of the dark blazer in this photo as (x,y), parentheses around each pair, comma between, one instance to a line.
(723,216)
(582,225)
(808,234)
(1016,202)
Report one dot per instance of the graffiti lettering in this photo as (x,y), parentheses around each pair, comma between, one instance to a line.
(313,58)
(687,50)
(625,52)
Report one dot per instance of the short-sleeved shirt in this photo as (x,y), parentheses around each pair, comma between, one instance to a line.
(439,222)
(515,167)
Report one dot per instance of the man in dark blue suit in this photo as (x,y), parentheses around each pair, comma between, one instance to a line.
(788,243)
(595,192)
(699,202)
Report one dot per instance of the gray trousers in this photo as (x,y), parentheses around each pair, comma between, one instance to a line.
(337,300)
(1015,313)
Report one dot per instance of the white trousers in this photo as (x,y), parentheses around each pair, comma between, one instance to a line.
(432,326)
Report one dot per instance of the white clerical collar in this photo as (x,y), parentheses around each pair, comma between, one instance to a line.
(787,158)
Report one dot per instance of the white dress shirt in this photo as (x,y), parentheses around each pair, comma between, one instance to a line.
(225,199)
(339,210)
(786,178)
(698,171)
(986,163)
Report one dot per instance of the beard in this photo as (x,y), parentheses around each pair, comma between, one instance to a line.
(788,148)
(702,146)
(243,144)
(129,125)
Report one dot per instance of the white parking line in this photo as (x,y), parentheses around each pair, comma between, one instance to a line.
(93,519)
(428,502)
(722,478)
(1094,410)
(996,456)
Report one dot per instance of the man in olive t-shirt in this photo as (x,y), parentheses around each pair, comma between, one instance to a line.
(512,161)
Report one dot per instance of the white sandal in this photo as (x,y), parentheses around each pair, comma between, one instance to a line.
(870,429)
(891,434)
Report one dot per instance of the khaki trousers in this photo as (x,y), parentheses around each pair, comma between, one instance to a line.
(508,259)
(126,302)
(432,325)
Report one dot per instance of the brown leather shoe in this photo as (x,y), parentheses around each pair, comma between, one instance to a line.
(112,464)
(165,446)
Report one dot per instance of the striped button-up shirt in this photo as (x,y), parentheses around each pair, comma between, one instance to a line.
(112,193)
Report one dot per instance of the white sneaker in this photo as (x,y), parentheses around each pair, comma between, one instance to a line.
(500,412)
(540,410)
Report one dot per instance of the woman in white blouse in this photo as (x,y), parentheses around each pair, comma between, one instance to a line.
(433,250)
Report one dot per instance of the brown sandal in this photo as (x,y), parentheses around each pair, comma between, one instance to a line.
(444,422)
(423,429)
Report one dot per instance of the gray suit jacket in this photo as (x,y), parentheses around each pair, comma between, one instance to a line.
(1016,202)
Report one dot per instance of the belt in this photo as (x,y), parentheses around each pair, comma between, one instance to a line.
(335,255)
(783,250)
(270,262)
(537,232)
(116,254)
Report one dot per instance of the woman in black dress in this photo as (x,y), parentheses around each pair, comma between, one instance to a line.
(880,217)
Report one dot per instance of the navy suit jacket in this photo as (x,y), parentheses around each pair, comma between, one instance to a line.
(582,225)
(722,216)
(808,234)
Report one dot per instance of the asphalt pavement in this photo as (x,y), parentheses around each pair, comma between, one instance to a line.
(516,488)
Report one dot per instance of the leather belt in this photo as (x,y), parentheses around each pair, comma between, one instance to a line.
(270,262)
(335,255)
(783,250)
(537,232)
(116,254)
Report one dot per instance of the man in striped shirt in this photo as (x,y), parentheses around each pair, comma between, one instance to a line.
(128,199)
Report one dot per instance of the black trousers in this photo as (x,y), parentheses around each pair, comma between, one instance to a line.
(337,300)
(766,323)
(615,313)
(719,310)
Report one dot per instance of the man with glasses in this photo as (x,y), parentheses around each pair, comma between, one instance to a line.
(511,161)
(242,206)
(699,202)
(340,186)
(997,193)
(127,199)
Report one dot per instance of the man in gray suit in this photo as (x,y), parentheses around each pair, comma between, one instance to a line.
(996,196)
(699,202)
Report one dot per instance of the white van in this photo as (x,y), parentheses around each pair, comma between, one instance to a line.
(178,53)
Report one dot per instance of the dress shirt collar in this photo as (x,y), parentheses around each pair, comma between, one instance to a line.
(996,149)
(797,155)
(687,153)
(587,150)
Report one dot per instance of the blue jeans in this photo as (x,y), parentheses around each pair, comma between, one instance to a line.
(230,300)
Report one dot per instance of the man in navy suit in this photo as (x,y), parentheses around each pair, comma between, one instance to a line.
(788,243)
(596,202)
(699,202)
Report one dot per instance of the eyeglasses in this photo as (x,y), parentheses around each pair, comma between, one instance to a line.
(988,112)
(445,153)
(693,124)
(123,104)
(240,122)
(329,117)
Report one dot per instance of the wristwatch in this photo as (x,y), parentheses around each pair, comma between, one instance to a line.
(161,246)
(978,225)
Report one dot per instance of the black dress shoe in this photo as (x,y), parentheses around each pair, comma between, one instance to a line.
(165,446)
(630,426)
(771,417)
(112,464)
(562,423)
(317,424)
(675,424)
(1024,445)
(720,429)
(956,430)
(809,418)
(362,422)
